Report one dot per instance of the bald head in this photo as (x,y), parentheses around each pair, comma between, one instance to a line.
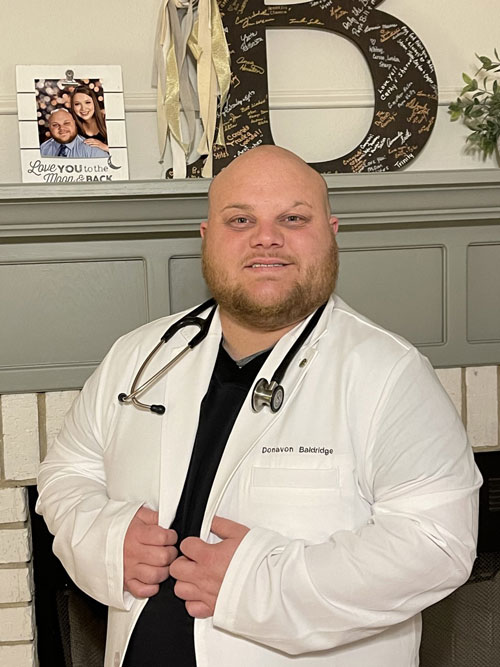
(272,165)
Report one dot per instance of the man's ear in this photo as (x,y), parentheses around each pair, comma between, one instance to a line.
(334,222)
(203,228)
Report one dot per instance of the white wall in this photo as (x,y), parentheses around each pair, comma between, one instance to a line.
(338,92)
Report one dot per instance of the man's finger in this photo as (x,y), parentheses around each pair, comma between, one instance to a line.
(147,515)
(140,590)
(198,609)
(157,536)
(186,591)
(148,574)
(184,569)
(225,528)
(156,556)
(193,548)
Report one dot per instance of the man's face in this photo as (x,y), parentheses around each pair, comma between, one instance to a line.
(269,251)
(62,127)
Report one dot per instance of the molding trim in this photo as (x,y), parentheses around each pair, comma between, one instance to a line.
(411,199)
(145,102)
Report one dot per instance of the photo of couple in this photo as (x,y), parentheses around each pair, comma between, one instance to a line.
(71,119)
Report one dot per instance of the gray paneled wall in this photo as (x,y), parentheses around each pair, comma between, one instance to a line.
(80,265)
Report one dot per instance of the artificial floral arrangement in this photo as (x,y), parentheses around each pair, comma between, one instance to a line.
(479,106)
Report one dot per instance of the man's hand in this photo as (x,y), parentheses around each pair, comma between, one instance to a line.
(147,552)
(200,571)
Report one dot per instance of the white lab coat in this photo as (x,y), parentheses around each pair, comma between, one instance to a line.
(361,495)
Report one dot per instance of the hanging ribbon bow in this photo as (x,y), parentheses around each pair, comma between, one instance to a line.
(205,37)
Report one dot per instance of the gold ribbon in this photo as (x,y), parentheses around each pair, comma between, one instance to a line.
(207,42)
(169,63)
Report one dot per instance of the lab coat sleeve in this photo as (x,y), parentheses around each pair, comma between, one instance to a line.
(417,547)
(89,527)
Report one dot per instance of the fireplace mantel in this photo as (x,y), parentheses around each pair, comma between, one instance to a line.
(429,197)
(82,264)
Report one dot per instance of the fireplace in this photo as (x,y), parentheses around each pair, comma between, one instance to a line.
(439,232)
(463,630)
(71,626)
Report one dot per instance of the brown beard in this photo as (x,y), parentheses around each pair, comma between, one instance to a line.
(301,300)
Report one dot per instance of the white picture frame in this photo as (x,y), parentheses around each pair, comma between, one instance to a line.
(42,89)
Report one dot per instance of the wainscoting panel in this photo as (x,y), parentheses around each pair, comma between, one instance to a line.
(483,293)
(394,286)
(100,298)
(82,264)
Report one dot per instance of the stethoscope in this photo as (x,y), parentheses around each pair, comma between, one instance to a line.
(265,394)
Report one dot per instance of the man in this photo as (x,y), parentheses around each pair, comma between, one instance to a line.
(65,142)
(311,536)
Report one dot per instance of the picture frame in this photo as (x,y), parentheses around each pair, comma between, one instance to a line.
(71,123)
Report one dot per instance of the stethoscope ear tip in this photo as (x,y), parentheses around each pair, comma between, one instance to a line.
(158,409)
(122,397)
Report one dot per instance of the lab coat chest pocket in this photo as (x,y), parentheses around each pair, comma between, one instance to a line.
(312,469)
(303,493)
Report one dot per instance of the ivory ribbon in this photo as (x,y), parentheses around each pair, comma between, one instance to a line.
(176,100)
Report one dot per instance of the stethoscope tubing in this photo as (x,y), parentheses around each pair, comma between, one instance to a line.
(279,373)
(191,319)
(135,391)
(265,394)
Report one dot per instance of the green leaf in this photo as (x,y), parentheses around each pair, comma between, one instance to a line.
(485,60)
(466,78)
(470,87)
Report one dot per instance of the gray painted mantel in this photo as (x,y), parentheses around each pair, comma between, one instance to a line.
(82,264)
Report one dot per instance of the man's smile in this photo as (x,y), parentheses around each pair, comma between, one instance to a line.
(267,264)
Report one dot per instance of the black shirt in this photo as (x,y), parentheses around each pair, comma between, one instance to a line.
(163,635)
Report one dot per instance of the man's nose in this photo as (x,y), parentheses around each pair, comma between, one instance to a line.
(267,233)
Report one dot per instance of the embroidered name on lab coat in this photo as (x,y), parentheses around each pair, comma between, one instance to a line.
(301,449)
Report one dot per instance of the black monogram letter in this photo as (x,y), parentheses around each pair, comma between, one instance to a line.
(403,78)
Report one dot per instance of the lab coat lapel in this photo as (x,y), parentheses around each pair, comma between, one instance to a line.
(187,384)
(249,426)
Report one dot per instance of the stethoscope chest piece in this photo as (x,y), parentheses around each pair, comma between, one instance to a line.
(271,394)
(267,394)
